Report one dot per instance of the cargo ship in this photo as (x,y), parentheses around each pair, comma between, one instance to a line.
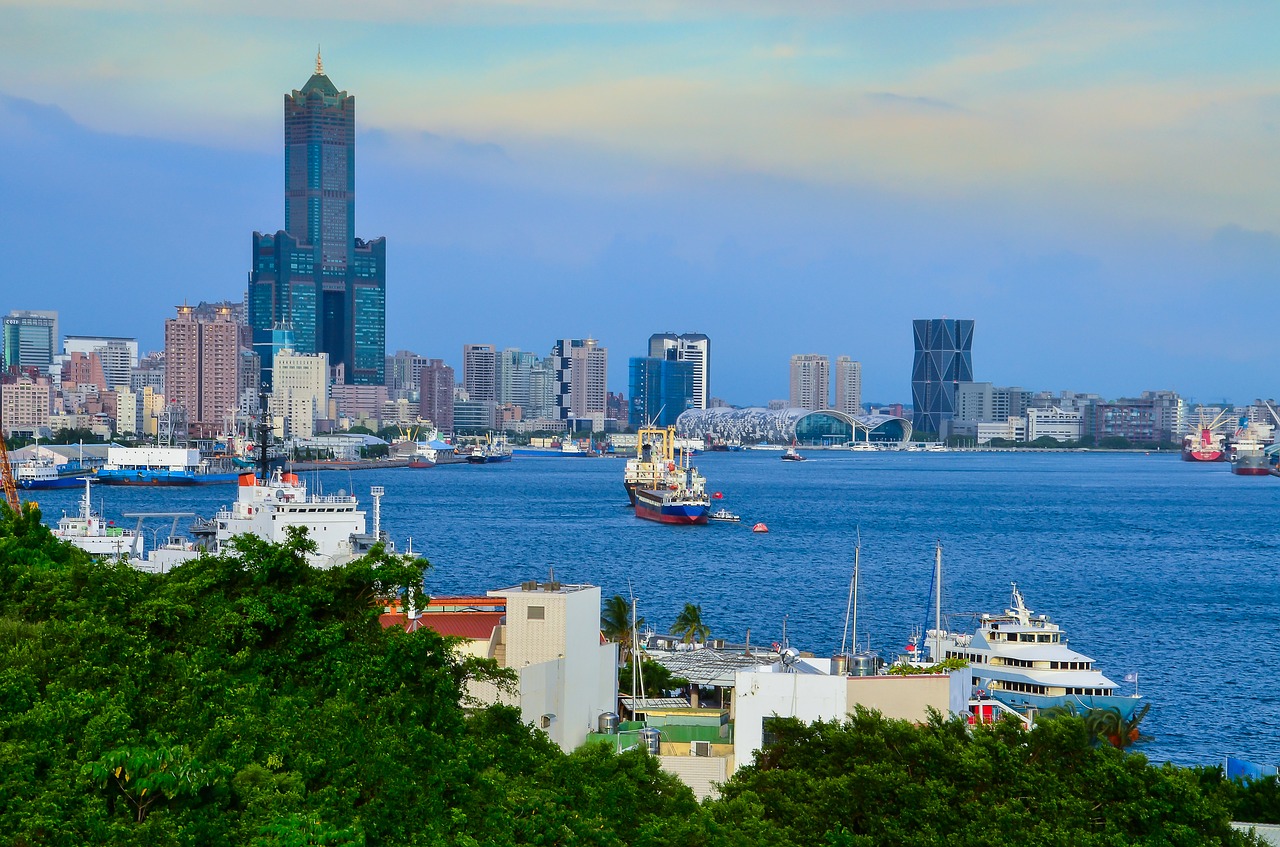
(164,466)
(40,474)
(673,493)
(648,468)
(1248,452)
(1204,446)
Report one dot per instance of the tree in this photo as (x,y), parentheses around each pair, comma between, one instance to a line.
(617,626)
(689,625)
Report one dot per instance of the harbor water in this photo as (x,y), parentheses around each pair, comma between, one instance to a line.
(1152,566)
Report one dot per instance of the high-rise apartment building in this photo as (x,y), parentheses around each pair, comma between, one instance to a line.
(943,360)
(582,367)
(300,391)
(30,339)
(25,402)
(404,370)
(119,356)
(514,378)
(848,386)
(202,369)
(810,382)
(479,371)
(314,276)
(692,347)
(435,388)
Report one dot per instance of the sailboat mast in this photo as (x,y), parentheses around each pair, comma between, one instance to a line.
(937,604)
(851,608)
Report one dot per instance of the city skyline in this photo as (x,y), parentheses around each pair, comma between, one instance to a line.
(1046,171)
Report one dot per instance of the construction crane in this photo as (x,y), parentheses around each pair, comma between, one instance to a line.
(6,476)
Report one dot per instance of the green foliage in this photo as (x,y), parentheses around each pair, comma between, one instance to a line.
(689,625)
(951,663)
(616,624)
(656,678)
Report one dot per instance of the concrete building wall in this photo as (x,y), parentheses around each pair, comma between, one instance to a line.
(26,402)
(848,386)
(810,382)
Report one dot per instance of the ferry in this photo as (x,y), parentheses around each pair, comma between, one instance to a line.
(164,466)
(1022,659)
(88,531)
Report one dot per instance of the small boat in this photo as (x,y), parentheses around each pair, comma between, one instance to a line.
(97,537)
(792,455)
(724,515)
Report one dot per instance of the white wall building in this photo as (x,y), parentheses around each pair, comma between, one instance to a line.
(848,386)
(1010,429)
(1055,423)
(300,391)
(810,382)
(119,356)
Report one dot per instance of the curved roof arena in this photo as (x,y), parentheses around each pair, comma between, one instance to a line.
(782,426)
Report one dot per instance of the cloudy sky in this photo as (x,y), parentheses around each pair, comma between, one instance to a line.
(1095,184)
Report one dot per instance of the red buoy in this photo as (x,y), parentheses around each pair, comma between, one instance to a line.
(760,527)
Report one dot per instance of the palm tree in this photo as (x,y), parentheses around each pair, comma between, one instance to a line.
(689,625)
(1122,732)
(617,626)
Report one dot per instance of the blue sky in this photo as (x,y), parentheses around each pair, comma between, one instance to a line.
(1095,184)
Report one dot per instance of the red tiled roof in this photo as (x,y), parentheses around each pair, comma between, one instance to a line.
(473,625)
(390,619)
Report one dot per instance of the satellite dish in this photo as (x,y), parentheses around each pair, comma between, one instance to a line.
(790,656)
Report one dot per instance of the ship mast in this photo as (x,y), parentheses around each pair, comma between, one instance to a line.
(937,603)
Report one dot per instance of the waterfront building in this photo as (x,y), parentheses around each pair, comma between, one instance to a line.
(1154,417)
(548,634)
(810,382)
(660,390)
(473,415)
(299,392)
(357,402)
(25,400)
(202,369)
(436,393)
(315,275)
(479,370)
(119,356)
(30,339)
(1055,423)
(943,360)
(982,401)
(692,347)
(783,426)
(848,386)
(581,367)
(128,417)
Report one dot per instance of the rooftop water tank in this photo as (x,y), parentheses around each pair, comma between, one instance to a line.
(863,664)
(652,740)
(607,724)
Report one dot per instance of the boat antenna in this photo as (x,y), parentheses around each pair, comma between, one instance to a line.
(937,603)
(851,607)
(263,434)
(637,667)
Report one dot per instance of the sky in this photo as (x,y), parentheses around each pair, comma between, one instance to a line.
(1095,184)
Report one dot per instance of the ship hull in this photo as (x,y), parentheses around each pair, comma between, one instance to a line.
(652,508)
(1250,468)
(46,484)
(631,491)
(1202,455)
(1082,702)
(164,478)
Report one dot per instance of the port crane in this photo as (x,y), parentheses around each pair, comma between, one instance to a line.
(6,475)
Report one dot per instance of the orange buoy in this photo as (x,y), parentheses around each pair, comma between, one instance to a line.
(760,527)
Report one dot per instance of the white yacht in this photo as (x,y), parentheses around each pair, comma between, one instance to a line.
(92,534)
(1022,659)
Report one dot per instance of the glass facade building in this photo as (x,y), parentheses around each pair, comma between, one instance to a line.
(30,340)
(827,427)
(660,390)
(315,276)
(943,360)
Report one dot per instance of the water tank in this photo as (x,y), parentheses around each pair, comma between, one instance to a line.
(651,740)
(607,723)
(839,664)
(863,664)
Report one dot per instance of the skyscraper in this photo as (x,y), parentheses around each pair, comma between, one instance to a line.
(660,389)
(119,356)
(479,370)
(582,367)
(810,382)
(314,276)
(943,360)
(848,386)
(201,369)
(435,384)
(30,339)
(693,347)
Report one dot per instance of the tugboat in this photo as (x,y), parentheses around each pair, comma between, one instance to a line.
(792,455)
(724,515)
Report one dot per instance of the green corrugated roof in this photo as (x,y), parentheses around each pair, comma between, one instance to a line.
(321,83)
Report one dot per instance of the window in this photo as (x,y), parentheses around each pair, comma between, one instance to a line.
(537,613)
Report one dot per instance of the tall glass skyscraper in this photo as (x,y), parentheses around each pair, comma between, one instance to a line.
(315,277)
(943,360)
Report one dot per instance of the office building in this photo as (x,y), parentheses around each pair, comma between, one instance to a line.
(30,340)
(479,370)
(435,388)
(300,391)
(202,369)
(473,415)
(581,366)
(660,390)
(403,372)
(513,381)
(1055,423)
(810,382)
(692,347)
(119,356)
(848,386)
(314,276)
(943,360)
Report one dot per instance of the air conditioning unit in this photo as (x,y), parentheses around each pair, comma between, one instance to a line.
(699,748)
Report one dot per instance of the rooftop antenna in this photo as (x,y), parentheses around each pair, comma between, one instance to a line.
(319,62)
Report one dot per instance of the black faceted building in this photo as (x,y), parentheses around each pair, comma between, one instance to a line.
(314,277)
(943,360)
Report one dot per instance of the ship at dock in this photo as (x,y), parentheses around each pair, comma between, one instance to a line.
(98,537)
(1248,452)
(165,466)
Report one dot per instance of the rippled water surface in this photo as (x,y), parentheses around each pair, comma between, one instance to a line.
(1151,565)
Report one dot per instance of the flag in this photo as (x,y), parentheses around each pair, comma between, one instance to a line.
(1131,677)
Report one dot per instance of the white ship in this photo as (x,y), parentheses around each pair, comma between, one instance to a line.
(1022,659)
(92,534)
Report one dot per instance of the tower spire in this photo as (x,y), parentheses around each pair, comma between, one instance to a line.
(319,62)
